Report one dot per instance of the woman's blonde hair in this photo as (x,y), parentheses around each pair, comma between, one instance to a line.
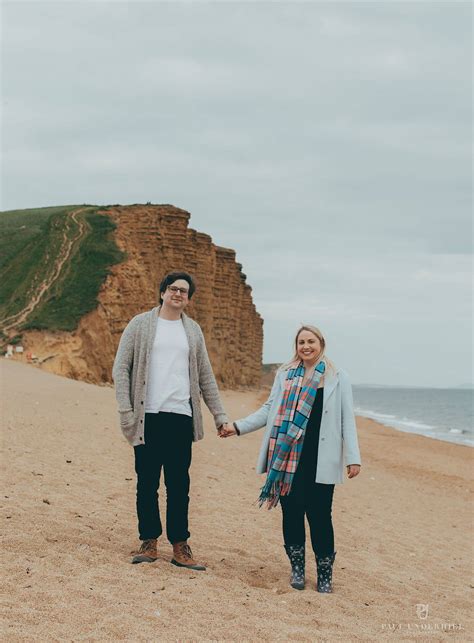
(295,360)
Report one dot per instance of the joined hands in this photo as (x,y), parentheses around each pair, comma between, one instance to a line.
(226,430)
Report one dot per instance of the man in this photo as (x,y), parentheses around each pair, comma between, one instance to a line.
(160,371)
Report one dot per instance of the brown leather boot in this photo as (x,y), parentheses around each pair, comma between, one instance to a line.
(147,552)
(183,557)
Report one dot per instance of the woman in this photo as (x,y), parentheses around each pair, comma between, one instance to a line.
(310,432)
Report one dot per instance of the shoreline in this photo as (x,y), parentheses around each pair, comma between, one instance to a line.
(375,417)
(69,517)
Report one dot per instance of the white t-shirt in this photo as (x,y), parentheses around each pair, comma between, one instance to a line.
(168,375)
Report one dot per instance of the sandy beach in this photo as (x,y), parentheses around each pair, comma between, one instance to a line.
(68,502)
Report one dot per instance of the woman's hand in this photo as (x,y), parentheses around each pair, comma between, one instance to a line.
(227,430)
(353,470)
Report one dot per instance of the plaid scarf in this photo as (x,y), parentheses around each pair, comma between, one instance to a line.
(286,438)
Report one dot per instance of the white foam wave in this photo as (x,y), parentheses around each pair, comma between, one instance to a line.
(368,413)
(414,426)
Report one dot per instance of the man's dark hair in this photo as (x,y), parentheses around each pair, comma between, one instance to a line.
(171,277)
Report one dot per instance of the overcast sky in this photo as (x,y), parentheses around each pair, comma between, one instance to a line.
(327,143)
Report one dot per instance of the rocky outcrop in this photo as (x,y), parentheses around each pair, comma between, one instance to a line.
(157,240)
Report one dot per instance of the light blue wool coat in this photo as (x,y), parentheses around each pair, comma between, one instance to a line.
(338,444)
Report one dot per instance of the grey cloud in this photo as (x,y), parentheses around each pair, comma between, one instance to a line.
(340,130)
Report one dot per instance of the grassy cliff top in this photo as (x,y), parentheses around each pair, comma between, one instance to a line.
(53,263)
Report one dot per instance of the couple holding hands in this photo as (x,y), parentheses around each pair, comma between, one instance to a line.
(160,371)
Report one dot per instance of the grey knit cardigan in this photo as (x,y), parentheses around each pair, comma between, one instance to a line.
(130,374)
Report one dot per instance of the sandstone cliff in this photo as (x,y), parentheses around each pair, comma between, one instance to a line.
(157,239)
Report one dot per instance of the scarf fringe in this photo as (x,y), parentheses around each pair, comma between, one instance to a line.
(271,491)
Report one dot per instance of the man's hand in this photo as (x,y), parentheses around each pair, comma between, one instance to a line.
(222,430)
(353,470)
(226,430)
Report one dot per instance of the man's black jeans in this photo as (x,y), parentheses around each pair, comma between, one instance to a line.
(168,446)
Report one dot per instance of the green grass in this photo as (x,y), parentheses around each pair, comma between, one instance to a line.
(75,292)
(29,245)
(19,227)
(31,263)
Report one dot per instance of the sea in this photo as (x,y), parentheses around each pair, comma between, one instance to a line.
(441,414)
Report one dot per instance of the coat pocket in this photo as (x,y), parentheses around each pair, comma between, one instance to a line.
(127,419)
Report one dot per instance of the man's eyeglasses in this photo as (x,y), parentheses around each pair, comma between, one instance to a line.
(175,290)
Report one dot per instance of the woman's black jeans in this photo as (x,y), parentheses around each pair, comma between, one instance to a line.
(168,446)
(315,502)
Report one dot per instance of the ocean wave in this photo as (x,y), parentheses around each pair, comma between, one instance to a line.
(393,420)
(408,425)
(412,424)
(368,413)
